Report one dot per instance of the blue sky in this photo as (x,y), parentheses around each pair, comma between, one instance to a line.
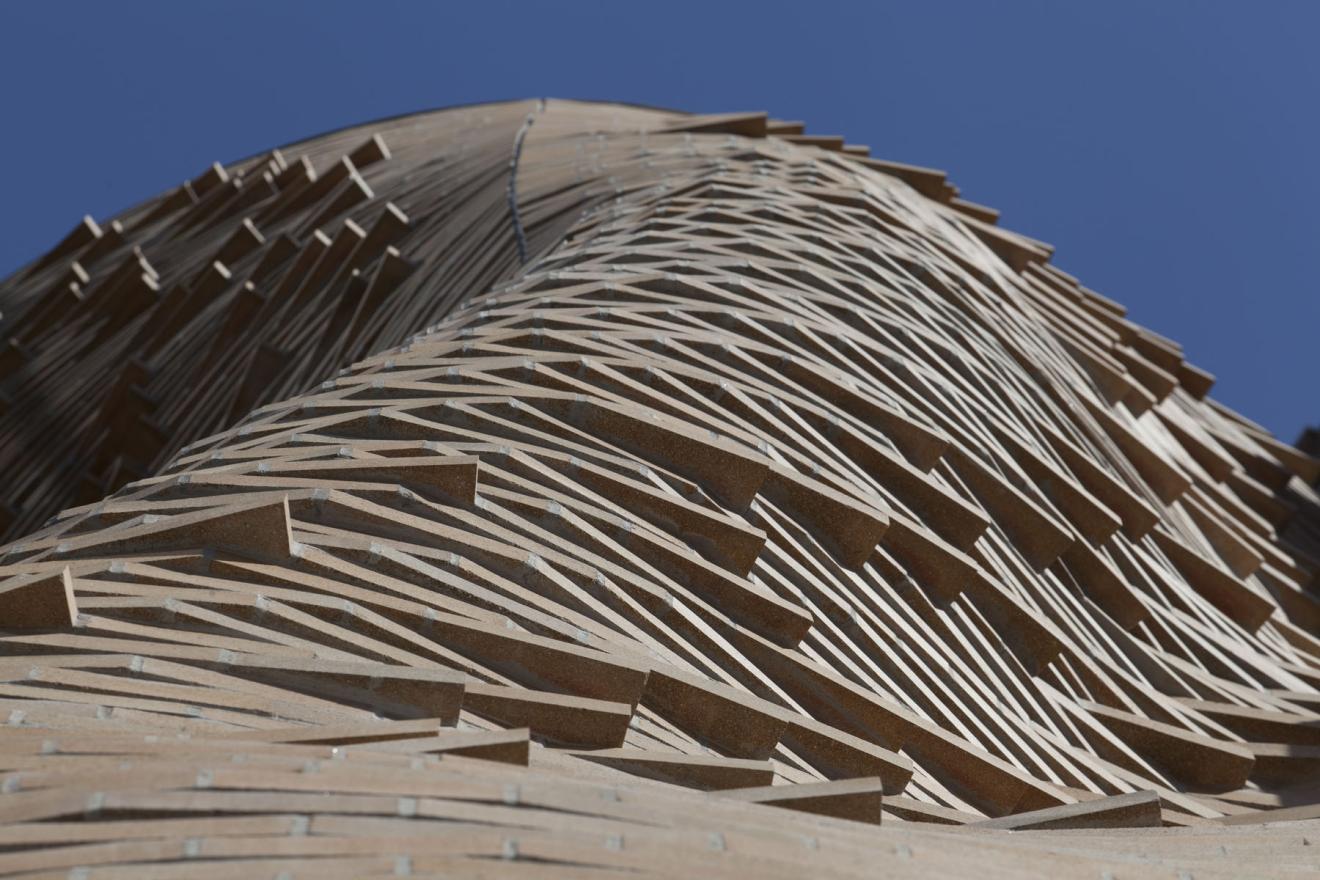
(1167,149)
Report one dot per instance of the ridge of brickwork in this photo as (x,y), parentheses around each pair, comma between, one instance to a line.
(777,477)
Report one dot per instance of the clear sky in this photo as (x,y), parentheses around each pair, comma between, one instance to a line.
(1167,149)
